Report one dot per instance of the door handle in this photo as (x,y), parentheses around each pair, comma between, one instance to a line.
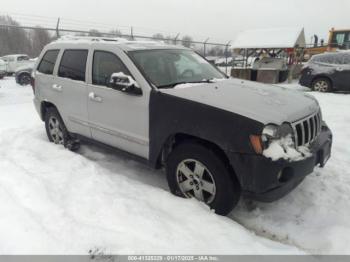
(57,87)
(94,97)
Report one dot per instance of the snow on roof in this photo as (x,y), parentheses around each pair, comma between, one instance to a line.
(271,38)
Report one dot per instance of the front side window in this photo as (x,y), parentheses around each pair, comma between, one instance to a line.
(341,40)
(105,64)
(48,62)
(73,65)
(167,68)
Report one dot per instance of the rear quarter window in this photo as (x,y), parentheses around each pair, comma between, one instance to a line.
(73,64)
(48,62)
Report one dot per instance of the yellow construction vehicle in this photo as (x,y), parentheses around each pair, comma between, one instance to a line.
(337,40)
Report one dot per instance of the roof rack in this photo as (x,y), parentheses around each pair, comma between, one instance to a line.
(92,39)
(119,40)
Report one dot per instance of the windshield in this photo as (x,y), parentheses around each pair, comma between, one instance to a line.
(167,68)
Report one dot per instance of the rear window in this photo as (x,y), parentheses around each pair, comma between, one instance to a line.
(47,64)
(73,64)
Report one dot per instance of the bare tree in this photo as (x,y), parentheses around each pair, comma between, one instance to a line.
(116,32)
(158,36)
(170,42)
(39,38)
(187,41)
(13,40)
(94,32)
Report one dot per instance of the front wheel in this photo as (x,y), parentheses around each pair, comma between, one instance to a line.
(24,79)
(193,171)
(322,85)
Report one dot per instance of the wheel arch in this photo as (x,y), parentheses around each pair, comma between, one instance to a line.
(179,138)
(45,105)
(320,77)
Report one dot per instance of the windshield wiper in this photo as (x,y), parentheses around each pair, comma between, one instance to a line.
(186,82)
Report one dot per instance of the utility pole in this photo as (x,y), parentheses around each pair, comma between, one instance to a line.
(175,39)
(57,28)
(132,33)
(226,55)
(205,47)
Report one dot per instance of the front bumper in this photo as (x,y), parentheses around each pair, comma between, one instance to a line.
(265,180)
(306,80)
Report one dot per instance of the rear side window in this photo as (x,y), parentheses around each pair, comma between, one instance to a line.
(47,64)
(73,64)
(104,65)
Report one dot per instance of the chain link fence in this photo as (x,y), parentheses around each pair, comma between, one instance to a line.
(30,39)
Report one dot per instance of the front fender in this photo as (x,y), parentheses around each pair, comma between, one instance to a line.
(171,115)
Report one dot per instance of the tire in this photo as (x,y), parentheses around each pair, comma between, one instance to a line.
(224,187)
(24,79)
(322,84)
(57,132)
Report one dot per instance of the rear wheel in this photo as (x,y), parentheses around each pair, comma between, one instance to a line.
(322,85)
(193,171)
(56,130)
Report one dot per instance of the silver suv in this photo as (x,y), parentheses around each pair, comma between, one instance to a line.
(218,138)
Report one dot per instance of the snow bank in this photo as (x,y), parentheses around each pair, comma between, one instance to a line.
(315,216)
(284,149)
(54,201)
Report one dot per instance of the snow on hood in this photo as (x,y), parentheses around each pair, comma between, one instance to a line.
(267,104)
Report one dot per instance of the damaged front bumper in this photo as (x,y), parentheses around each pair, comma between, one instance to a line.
(265,180)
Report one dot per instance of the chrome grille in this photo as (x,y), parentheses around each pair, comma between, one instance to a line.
(307,129)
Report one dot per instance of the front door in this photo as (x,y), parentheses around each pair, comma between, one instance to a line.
(116,118)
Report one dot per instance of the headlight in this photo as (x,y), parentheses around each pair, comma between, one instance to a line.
(269,134)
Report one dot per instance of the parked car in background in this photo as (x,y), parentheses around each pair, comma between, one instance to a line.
(2,68)
(16,61)
(327,72)
(169,107)
(23,75)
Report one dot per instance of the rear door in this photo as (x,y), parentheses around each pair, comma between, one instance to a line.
(342,71)
(117,118)
(71,89)
(44,77)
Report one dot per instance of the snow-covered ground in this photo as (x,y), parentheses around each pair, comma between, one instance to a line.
(54,201)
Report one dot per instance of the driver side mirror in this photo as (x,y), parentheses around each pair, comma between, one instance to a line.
(124,83)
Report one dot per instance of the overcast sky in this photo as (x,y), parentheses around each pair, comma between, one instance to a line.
(220,20)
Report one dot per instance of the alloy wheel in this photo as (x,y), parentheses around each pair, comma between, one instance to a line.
(195,180)
(55,130)
(321,86)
